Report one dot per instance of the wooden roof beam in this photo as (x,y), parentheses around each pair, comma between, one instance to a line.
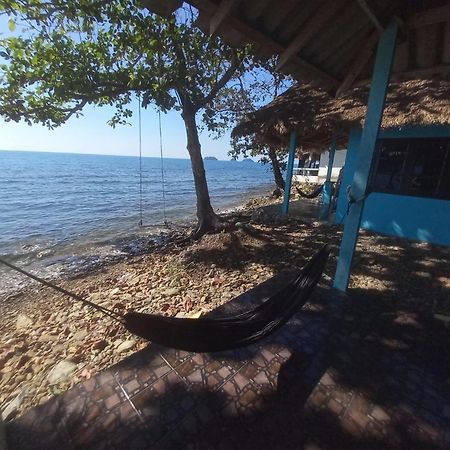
(371,15)
(313,26)
(221,13)
(317,74)
(163,9)
(430,17)
(359,63)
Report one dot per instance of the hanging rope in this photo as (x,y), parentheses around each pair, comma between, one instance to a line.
(76,297)
(140,164)
(162,168)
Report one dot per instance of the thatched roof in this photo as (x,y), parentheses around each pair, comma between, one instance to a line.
(315,114)
(330,43)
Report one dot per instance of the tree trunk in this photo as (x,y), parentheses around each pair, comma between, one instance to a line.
(207,218)
(276,169)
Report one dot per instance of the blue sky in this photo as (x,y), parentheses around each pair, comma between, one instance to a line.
(91,134)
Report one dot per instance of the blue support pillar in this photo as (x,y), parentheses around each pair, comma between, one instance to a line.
(328,185)
(375,107)
(289,172)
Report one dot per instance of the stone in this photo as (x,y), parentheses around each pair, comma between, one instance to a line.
(61,371)
(80,335)
(99,345)
(126,345)
(46,337)
(23,321)
(13,406)
(170,292)
(22,361)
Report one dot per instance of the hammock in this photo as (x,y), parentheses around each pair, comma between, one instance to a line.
(211,335)
(313,194)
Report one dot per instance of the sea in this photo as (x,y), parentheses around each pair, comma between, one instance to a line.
(64,214)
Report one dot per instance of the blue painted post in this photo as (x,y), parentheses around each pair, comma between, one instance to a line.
(375,107)
(328,186)
(289,172)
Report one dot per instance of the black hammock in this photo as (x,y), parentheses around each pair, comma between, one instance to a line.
(313,194)
(218,334)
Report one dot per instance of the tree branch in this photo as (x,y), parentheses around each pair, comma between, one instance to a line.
(226,77)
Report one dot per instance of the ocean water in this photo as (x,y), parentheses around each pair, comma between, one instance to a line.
(64,213)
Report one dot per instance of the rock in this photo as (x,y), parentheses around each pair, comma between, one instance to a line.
(46,337)
(80,335)
(23,321)
(22,361)
(59,347)
(96,296)
(12,407)
(126,345)
(99,345)
(170,292)
(114,291)
(61,371)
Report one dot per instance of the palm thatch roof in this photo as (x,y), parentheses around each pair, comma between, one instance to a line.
(316,115)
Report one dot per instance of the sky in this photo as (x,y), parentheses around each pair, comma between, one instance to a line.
(91,134)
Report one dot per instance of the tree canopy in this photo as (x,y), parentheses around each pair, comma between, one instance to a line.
(62,55)
(70,54)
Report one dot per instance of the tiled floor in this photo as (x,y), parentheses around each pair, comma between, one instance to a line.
(317,383)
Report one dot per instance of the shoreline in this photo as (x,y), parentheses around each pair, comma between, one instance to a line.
(63,262)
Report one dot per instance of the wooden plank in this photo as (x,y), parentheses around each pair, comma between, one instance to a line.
(371,15)
(222,11)
(374,115)
(313,26)
(254,10)
(289,172)
(359,63)
(316,75)
(430,17)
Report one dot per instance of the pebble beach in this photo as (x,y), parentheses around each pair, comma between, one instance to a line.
(50,343)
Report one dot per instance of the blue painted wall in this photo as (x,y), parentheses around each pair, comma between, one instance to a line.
(415,218)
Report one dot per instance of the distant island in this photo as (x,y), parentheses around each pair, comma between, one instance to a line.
(248,160)
(210,158)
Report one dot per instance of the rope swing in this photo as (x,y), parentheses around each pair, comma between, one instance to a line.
(162,168)
(140,163)
(161,152)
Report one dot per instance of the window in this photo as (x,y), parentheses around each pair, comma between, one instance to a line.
(419,167)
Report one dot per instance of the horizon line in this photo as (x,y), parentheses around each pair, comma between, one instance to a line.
(106,154)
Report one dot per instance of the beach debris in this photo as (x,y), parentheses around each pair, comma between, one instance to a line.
(61,371)
(23,321)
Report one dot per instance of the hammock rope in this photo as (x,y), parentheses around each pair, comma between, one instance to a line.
(114,315)
(210,334)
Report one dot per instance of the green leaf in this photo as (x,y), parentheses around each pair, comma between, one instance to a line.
(11,25)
